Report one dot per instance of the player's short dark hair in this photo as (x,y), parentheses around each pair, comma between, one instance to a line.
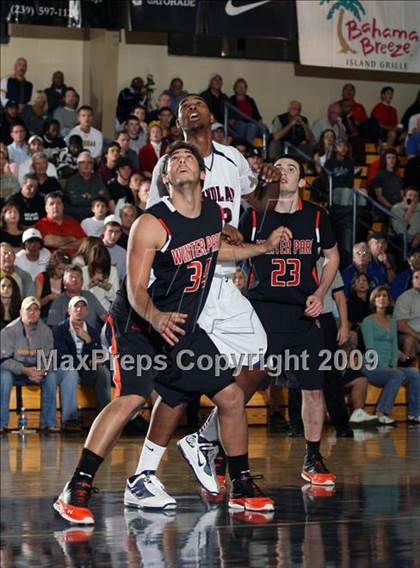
(295,159)
(186,97)
(181,145)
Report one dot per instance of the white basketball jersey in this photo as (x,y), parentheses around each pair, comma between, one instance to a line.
(228,179)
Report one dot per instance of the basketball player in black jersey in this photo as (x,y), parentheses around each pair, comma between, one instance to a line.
(178,241)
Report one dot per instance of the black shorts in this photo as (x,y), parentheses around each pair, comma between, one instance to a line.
(179,374)
(293,355)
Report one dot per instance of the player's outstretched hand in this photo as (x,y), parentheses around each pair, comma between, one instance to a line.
(313,306)
(269,173)
(279,234)
(167,324)
(232,235)
(343,334)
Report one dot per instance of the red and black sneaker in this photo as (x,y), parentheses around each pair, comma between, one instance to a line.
(314,471)
(246,495)
(72,503)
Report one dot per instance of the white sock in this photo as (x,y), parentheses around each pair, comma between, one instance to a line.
(209,429)
(150,458)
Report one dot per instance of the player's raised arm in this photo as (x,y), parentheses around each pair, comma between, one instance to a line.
(147,236)
(228,252)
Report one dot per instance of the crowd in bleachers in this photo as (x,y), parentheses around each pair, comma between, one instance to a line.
(69,197)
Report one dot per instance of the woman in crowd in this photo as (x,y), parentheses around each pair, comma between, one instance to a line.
(358,307)
(35,115)
(324,150)
(49,284)
(84,249)
(380,335)
(341,165)
(8,175)
(10,300)
(246,104)
(387,184)
(142,195)
(11,229)
(106,170)
(99,277)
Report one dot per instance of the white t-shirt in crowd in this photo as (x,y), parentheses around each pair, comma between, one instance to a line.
(92,140)
(93,227)
(33,267)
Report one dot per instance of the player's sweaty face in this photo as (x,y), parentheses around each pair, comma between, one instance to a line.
(289,171)
(183,167)
(193,113)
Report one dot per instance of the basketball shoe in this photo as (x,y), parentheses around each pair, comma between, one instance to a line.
(315,471)
(72,503)
(200,455)
(246,495)
(145,491)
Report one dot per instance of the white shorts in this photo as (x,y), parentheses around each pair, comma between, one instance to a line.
(232,324)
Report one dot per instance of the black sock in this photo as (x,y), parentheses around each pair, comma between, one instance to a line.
(312,448)
(238,465)
(87,467)
(220,462)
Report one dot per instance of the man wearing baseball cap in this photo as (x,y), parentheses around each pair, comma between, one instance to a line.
(26,344)
(34,258)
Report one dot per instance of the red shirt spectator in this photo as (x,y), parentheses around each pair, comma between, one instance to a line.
(357,109)
(59,232)
(149,154)
(386,114)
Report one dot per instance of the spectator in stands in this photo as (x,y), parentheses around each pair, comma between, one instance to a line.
(240,279)
(94,226)
(387,184)
(55,92)
(67,159)
(99,277)
(119,187)
(362,263)
(412,110)
(29,201)
(325,148)
(140,112)
(384,112)
(53,141)
(374,167)
(246,104)
(291,127)
(175,132)
(36,145)
(20,342)
(18,149)
(49,284)
(82,188)
(123,139)
(8,181)
(129,97)
(164,100)
(358,307)
(106,170)
(92,138)
(10,300)
(34,257)
(341,165)
(73,284)
(357,109)
(353,132)
(138,136)
(67,114)
(215,98)
(241,145)
(412,145)
(218,132)
(380,334)
(84,249)
(15,87)
(9,116)
(46,184)
(35,115)
(176,92)
(9,268)
(128,214)
(11,228)
(378,247)
(403,280)
(407,314)
(407,212)
(76,337)
(165,117)
(142,189)
(332,122)
(59,232)
(254,159)
(150,153)
(112,233)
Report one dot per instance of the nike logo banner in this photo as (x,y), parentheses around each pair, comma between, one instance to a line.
(233,10)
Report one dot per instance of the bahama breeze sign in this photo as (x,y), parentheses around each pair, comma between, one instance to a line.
(378,35)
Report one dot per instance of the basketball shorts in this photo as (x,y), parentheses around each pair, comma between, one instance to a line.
(294,355)
(178,374)
(232,324)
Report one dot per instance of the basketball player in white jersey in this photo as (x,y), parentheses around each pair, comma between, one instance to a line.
(227,316)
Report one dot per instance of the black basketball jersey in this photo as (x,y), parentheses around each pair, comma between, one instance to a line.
(183,269)
(288,274)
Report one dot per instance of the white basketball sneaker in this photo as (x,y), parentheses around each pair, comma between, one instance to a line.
(145,491)
(200,455)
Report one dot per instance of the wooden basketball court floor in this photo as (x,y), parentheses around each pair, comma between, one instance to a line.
(371,520)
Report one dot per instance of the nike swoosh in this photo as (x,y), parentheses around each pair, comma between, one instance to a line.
(232,10)
(150,449)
